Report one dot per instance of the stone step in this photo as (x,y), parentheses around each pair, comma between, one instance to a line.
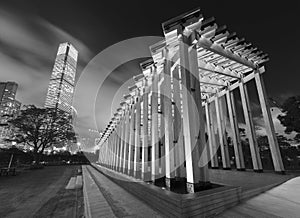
(71,183)
(95,204)
(78,183)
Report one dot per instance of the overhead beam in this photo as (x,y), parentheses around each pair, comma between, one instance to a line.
(218,49)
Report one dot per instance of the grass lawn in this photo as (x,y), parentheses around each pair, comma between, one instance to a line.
(40,193)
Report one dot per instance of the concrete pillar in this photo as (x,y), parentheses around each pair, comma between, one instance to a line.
(169,131)
(180,172)
(222,133)
(105,153)
(131,143)
(109,150)
(118,145)
(154,129)
(211,138)
(113,148)
(238,151)
(257,165)
(137,161)
(126,139)
(146,174)
(122,143)
(161,127)
(269,125)
(113,144)
(196,91)
(193,128)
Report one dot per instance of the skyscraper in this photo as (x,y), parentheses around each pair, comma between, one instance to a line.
(9,106)
(61,86)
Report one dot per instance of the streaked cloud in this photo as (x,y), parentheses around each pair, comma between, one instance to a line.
(28,49)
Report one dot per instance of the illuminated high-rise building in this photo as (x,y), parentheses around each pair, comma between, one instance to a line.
(61,86)
(9,107)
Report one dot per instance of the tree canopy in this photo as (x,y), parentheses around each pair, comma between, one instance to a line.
(42,128)
(291,119)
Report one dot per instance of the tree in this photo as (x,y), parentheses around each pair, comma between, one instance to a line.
(41,128)
(291,119)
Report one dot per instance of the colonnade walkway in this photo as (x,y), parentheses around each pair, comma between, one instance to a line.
(104,198)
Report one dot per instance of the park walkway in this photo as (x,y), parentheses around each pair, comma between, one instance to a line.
(40,193)
(103,198)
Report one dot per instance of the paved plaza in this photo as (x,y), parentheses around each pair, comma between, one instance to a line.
(40,193)
(281,201)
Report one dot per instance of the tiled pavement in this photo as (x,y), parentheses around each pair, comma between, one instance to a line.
(281,201)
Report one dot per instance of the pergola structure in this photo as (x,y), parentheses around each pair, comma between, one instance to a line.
(172,122)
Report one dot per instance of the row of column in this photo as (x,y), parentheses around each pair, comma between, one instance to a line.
(165,131)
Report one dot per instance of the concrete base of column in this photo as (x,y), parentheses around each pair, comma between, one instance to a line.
(170,183)
(241,169)
(196,187)
(161,182)
(226,168)
(130,172)
(146,176)
(280,172)
(137,174)
(215,168)
(177,183)
(258,171)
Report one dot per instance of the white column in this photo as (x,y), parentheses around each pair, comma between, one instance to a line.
(118,135)
(257,165)
(238,151)
(137,161)
(211,138)
(168,120)
(154,129)
(195,88)
(221,133)
(122,142)
(126,139)
(115,139)
(145,132)
(192,126)
(113,148)
(269,125)
(178,126)
(105,153)
(161,127)
(109,150)
(131,141)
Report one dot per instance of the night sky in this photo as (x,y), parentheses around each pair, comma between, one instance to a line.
(31,31)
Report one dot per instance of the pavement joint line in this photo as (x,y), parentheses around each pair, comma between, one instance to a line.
(117,210)
(92,195)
